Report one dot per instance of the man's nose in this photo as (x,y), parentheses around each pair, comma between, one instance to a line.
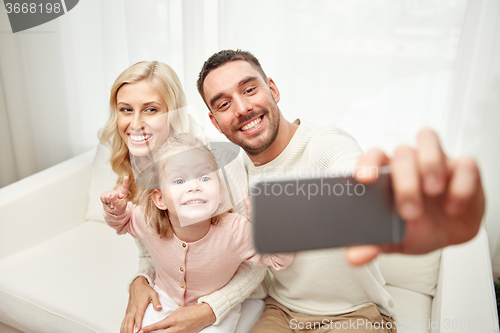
(242,106)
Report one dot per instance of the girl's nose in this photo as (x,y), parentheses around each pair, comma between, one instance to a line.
(194,186)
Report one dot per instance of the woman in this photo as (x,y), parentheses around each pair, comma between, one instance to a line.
(147,105)
(141,97)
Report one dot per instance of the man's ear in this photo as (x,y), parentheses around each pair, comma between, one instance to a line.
(158,200)
(274,89)
(214,121)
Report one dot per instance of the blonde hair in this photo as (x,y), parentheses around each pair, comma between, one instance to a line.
(163,78)
(155,217)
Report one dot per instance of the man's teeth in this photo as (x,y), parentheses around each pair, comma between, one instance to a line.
(192,202)
(251,125)
(139,138)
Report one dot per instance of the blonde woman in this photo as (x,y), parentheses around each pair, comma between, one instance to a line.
(147,106)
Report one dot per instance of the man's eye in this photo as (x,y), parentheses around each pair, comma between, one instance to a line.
(248,91)
(223,106)
(178,181)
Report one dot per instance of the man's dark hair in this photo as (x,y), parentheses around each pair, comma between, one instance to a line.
(223,57)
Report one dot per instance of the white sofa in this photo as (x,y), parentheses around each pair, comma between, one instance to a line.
(63,270)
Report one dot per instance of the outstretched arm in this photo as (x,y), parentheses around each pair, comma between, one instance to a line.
(441,199)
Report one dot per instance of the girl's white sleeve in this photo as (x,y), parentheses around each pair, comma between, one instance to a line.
(247,278)
(146,265)
(124,223)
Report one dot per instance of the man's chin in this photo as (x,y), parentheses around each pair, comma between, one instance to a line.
(256,148)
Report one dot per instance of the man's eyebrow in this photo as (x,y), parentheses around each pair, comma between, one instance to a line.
(247,79)
(242,82)
(215,98)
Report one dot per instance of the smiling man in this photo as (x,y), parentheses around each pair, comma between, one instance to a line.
(441,199)
(254,121)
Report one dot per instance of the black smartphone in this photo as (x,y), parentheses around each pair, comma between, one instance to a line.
(290,215)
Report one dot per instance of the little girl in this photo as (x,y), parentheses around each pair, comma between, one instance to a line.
(195,251)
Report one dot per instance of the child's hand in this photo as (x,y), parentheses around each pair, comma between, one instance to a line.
(115,202)
(248,203)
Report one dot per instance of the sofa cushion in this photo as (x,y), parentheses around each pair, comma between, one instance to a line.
(418,273)
(75,282)
(413,310)
(103,179)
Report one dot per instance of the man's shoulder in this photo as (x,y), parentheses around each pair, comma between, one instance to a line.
(326,135)
(329,148)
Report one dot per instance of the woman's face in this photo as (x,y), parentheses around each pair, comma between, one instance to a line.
(142,117)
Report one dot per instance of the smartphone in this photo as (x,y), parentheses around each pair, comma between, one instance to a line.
(290,215)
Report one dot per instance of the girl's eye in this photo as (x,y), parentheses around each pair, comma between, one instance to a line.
(178,181)
(204,179)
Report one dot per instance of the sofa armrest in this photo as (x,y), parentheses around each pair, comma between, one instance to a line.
(44,205)
(465,297)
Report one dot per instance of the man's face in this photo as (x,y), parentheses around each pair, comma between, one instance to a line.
(243,105)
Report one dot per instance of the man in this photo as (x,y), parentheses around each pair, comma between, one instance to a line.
(441,199)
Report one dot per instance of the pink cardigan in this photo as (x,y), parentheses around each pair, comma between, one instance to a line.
(188,271)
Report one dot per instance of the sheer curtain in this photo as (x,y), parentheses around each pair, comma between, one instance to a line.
(379,69)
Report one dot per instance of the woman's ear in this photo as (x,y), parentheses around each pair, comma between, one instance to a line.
(158,200)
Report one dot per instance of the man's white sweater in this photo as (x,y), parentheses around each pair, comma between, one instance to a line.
(321,282)
(318,282)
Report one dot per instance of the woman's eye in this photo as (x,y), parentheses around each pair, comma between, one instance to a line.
(178,181)
(126,110)
(151,110)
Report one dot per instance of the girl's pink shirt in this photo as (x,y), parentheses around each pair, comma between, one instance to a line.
(188,271)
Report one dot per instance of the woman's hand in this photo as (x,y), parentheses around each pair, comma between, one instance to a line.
(140,295)
(115,202)
(188,319)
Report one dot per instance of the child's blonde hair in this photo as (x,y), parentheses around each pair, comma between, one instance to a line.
(163,78)
(155,217)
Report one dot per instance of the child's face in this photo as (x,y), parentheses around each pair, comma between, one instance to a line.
(193,191)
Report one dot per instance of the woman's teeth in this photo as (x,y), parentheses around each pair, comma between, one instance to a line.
(139,138)
(251,125)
